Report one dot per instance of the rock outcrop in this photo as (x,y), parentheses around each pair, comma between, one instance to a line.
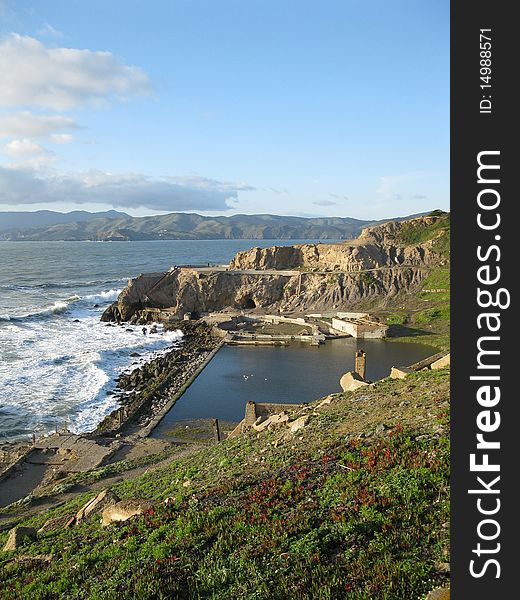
(184,291)
(376,247)
(124,510)
(17,537)
(287,278)
(95,505)
(352,381)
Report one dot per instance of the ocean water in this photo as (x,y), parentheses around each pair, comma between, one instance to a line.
(57,360)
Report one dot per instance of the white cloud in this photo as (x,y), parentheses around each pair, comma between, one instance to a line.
(32,74)
(28,154)
(27,124)
(23,148)
(61,138)
(125,190)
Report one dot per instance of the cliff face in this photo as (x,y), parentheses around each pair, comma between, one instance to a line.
(188,290)
(380,264)
(377,247)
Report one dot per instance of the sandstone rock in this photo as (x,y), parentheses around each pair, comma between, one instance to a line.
(271,421)
(439,594)
(98,503)
(17,536)
(352,381)
(298,424)
(186,290)
(377,246)
(442,362)
(443,567)
(124,510)
(326,401)
(400,372)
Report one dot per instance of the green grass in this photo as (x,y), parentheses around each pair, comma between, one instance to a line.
(438,313)
(396,318)
(439,278)
(347,508)
(418,232)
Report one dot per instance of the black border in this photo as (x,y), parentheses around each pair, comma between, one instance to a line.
(471,133)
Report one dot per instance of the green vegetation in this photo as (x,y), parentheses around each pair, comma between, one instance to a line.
(396,319)
(439,313)
(439,278)
(418,232)
(112,469)
(355,505)
(369,279)
(422,317)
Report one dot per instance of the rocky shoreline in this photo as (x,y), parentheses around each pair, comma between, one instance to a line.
(149,388)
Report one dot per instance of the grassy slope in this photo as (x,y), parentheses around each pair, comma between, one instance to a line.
(423,317)
(355,505)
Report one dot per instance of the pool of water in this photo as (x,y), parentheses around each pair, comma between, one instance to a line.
(292,374)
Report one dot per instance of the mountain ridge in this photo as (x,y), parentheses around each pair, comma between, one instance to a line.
(116,226)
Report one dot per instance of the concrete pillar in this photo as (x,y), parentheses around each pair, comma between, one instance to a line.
(361,363)
(250,416)
(216,430)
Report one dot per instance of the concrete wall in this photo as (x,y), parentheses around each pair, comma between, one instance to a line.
(277,319)
(264,410)
(360,328)
(340,315)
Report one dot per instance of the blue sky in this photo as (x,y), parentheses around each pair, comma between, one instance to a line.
(331,107)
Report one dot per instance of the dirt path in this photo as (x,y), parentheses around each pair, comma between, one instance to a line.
(45,503)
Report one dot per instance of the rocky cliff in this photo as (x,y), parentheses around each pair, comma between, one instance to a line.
(376,247)
(187,290)
(380,264)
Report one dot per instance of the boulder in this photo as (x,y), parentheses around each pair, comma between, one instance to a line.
(327,400)
(352,381)
(95,505)
(299,423)
(271,421)
(442,362)
(17,536)
(124,510)
(400,372)
(54,524)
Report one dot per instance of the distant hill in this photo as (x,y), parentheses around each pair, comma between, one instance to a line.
(117,226)
(43,218)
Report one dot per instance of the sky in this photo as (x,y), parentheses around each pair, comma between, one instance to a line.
(306,108)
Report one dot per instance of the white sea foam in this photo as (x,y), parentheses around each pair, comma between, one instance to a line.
(61,306)
(59,372)
(108,296)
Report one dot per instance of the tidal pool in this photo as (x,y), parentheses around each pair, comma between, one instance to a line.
(292,374)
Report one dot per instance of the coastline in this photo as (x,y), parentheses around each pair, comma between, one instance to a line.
(153,388)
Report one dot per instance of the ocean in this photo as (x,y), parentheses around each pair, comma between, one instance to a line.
(58,362)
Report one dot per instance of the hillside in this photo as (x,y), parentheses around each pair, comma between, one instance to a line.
(22,220)
(354,504)
(190,227)
(385,271)
(116,226)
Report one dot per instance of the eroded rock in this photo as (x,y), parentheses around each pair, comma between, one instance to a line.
(124,510)
(18,536)
(352,381)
